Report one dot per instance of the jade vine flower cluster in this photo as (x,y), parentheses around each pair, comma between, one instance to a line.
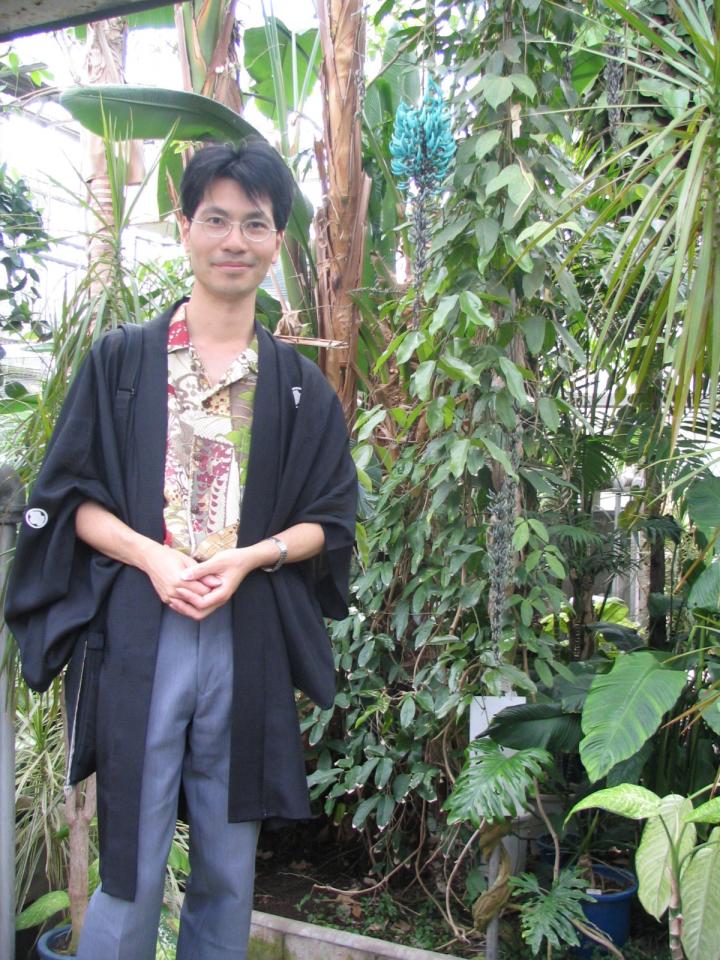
(422,145)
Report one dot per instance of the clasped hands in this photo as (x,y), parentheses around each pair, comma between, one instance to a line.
(196,589)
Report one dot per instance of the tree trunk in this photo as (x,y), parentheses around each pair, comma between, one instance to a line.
(106,48)
(207,39)
(341,222)
(80,806)
(657,623)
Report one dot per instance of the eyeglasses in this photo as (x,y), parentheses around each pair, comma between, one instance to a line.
(218,227)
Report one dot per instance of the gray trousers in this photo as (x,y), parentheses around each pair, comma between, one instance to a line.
(188,738)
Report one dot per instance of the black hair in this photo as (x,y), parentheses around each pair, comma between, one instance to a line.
(254,165)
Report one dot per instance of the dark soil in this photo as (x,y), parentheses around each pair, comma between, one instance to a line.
(294,860)
(295,864)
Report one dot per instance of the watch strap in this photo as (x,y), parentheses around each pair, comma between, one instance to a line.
(282,548)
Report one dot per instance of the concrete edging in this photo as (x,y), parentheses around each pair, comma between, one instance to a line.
(279,938)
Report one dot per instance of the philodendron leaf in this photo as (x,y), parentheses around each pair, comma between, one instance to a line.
(543,725)
(629,771)
(709,703)
(626,800)
(493,786)
(549,914)
(703,502)
(42,909)
(705,592)
(706,813)
(700,899)
(152,113)
(654,858)
(624,708)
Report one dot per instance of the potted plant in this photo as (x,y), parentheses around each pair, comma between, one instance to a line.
(82,879)
(678,870)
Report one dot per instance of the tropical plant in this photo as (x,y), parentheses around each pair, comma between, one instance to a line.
(484,437)
(555,915)
(342,221)
(40,830)
(658,190)
(23,240)
(676,873)
(208,33)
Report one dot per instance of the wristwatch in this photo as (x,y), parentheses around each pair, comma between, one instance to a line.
(281,559)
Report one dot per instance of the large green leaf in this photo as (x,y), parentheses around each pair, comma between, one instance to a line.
(153,113)
(170,169)
(536,725)
(706,813)
(492,785)
(625,800)
(705,592)
(700,898)
(709,704)
(155,18)
(42,909)
(273,54)
(654,858)
(629,771)
(624,708)
(549,914)
(572,693)
(703,502)
(398,80)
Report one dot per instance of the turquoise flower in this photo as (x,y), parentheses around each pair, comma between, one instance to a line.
(422,146)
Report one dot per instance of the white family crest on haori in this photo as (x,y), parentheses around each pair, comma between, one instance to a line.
(36,518)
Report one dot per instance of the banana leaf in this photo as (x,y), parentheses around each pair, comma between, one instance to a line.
(151,113)
(274,54)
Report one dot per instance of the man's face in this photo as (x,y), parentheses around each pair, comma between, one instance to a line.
(230,268)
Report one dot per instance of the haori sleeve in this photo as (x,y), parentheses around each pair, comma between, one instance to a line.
(57,583)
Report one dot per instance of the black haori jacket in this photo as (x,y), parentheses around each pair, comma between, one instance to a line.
(64,598)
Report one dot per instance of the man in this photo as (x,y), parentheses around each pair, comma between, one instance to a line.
(195,541)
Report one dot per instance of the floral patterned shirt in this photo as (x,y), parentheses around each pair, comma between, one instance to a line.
(208,444)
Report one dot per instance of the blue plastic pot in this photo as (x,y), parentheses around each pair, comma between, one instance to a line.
(610,912)
(50,942)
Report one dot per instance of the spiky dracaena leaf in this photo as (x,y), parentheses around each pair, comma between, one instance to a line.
(549,914)
(493,786)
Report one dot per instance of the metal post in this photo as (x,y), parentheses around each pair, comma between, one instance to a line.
(11,503)
(492,934)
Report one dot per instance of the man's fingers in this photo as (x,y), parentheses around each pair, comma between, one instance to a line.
(198,587)
(212,598)
(193,607)
(186,609)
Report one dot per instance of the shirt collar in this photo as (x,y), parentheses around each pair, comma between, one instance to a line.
(179,339)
